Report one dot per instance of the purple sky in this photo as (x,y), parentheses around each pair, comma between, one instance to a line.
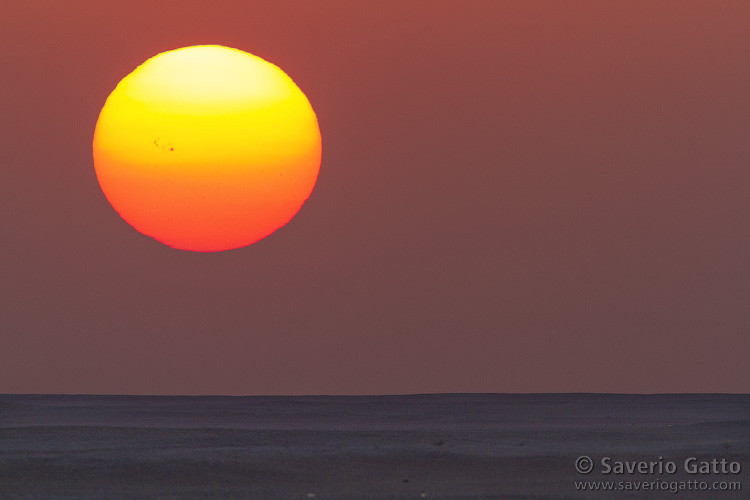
(514,197)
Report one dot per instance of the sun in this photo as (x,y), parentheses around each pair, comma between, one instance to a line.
(207,148)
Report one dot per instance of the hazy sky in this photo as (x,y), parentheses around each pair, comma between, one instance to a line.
(514,197)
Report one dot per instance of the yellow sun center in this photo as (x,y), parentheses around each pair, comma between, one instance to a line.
(207,148)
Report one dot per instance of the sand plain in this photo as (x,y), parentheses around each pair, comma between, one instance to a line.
(453,447)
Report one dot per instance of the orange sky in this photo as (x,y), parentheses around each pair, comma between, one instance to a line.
(514,197)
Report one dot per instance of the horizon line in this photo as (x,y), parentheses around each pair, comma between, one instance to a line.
(384,395)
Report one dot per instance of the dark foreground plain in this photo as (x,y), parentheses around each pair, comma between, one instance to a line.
(452,446)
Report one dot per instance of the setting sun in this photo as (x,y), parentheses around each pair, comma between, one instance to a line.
(207,148)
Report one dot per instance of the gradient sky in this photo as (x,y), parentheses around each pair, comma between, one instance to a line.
(514,197)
